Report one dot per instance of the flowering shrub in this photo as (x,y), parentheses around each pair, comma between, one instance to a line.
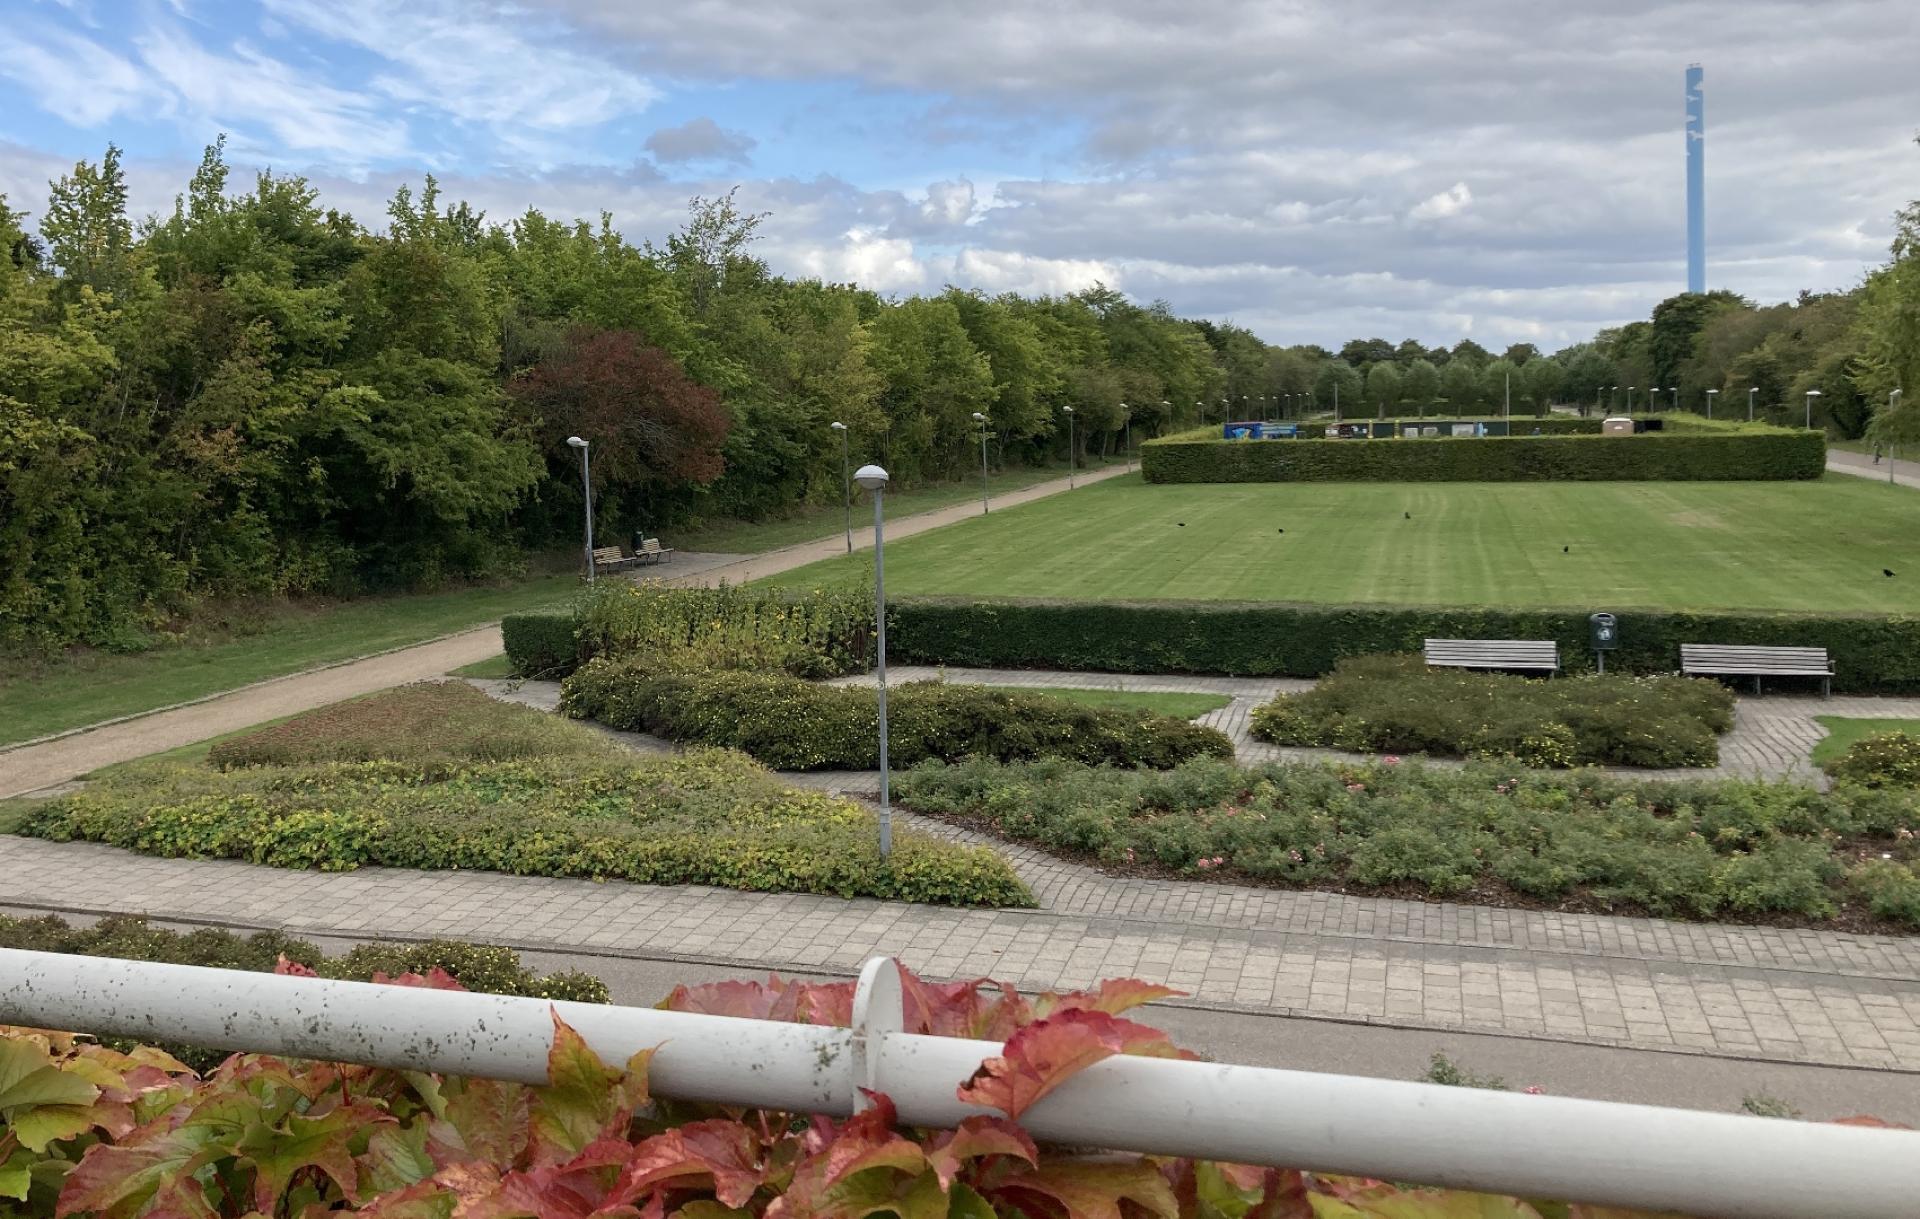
(707,816)
(1372,703)
(797,725)
(85,1130)
(1704,848)
(1885,759)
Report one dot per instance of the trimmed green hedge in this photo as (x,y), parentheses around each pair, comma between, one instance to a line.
(1685,453)
(1871,653)
(797,725)
(543,644)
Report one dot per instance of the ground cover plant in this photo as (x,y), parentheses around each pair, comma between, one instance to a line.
(1814,546)
(1880,759)
(110,1133)
(1396,704)
(1844,730)
(481,967)
(1582,840)
(708,817)
(441,723)
(792,724)
(40,695)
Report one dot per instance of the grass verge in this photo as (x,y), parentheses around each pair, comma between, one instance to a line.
(825,520)
(1843,731)
(38,698)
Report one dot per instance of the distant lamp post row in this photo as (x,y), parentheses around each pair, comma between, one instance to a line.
(586,493)
(982,421)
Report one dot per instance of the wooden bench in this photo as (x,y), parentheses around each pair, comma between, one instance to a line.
(1746,660)
(1538,655)
(609,558)
(651,552)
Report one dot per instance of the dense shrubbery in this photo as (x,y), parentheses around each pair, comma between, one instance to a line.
(797,725)
(492,970)
(101,1132)
(544,644)
(1756,451)
(704,817)
(1396,703)
(1697,848)
(1885,759)
(819,634)
(432,723)
(1871,653)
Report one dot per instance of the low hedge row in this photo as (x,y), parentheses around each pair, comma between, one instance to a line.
(1396,704)
(797,725)
(1885,759)
(1872,654)
(1759,453)
(543,644)
(1701,848)
(706,817)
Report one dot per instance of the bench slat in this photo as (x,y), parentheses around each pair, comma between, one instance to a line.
(1494,653)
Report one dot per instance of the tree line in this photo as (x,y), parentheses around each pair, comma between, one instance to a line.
(257,395)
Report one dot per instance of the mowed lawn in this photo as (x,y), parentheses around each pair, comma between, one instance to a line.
(1777,546)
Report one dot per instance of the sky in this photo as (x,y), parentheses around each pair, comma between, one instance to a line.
(1505,170)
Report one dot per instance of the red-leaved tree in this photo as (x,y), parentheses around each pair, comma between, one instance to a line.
(648,420)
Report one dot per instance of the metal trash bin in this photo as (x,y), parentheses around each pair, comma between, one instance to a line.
(1604,630)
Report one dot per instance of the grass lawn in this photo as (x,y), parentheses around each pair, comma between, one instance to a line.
(1816,545)
(751,537)
(93,686)
(1843,731)
(1178,704)
(492,666)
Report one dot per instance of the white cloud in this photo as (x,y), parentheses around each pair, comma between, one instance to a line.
(699,139)
(75,77)
(1449,202)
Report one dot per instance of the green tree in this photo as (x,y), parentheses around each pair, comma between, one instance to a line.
(1501,385)
(1384,389)
(1420,385)
(1462,385)
(1336,381)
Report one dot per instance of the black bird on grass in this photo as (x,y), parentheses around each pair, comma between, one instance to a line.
(1182,524)
(1279,531)
(1888,574)
(1407,515)
(1566,550)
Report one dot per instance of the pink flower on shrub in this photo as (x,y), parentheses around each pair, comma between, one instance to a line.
(1356,787)
(1205,863)
(1129,854)
(1296,856)
(1536,1090)
(1392,759)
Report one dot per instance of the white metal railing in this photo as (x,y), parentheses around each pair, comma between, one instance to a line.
(1533,1146)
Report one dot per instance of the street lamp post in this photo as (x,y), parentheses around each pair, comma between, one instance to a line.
(982,421)
(1751,391)
(874,479)
(846,486)
(1893,403)
(1811,395)
(1676,396)
(1710,394)
(1630,399)
(586,493)
(1069,411)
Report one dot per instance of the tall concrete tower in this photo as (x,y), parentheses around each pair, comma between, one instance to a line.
(1696,181)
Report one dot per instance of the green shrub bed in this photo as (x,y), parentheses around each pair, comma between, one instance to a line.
(435,722)
(543,644)
(1583,840)
(704,817)
(1396,703)
(797,725)
(1872,654)
(1754,452)
(1885,759)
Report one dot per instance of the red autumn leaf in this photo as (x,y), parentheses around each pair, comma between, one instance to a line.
(977,1138)
(961,1009)
(1045,1054)
(485,1120)
(1088,1190)
(1115,995)
(1285,1195)
(435,978)
(293,969)
(867,1140)
(746,1000)
(721,1150)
